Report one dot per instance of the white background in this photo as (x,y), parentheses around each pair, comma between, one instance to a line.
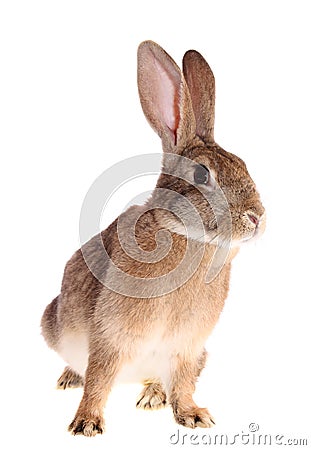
(69,110)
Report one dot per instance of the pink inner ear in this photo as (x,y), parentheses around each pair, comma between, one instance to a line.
(166,98)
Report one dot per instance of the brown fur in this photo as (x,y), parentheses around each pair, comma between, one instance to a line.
(118,326)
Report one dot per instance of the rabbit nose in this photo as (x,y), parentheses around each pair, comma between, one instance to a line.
(253,218)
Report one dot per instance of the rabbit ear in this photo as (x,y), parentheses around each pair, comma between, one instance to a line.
(201,84)
(164,96)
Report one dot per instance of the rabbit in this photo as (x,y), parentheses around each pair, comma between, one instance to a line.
(109,323)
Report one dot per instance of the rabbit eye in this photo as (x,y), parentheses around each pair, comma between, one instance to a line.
(201,174)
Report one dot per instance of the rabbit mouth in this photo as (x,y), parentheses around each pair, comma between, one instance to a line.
(259,224)
(252,236)
(222,235)
(228,239)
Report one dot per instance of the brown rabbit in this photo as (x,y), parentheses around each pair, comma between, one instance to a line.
(135,303)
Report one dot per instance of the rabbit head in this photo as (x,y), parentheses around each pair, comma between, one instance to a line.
(180,107)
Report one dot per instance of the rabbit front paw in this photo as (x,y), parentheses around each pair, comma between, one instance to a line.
(152,397)
(87,426)
(194,417)
(69,379)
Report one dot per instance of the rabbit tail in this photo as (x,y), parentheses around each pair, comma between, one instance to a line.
(49,325)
